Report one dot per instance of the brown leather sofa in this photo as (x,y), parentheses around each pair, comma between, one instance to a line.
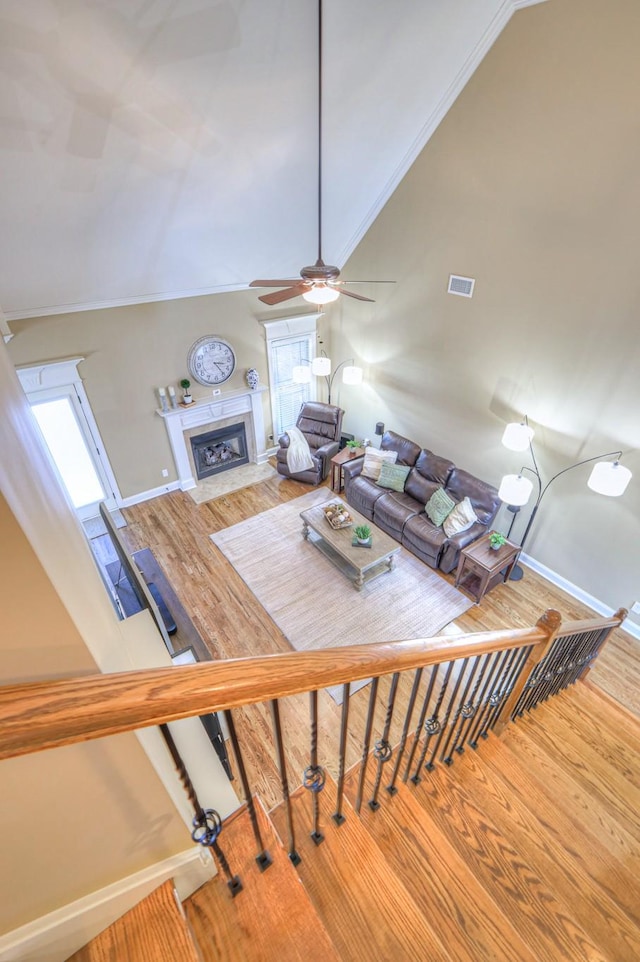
(321,425)
(402,514)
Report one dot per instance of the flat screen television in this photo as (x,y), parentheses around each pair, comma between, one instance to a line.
(132,573)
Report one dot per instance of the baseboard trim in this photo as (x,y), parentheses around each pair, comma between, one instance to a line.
(148,495)
(56,936)
(578,593)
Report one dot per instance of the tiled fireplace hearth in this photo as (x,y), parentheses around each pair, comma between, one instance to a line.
(210,415)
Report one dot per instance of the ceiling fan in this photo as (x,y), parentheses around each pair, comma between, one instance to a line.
(318,283)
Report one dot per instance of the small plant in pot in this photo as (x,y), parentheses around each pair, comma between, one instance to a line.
(362,533)
(185,385)
(496,540)
(352,446)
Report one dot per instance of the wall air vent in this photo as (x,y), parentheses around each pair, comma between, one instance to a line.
(461,285)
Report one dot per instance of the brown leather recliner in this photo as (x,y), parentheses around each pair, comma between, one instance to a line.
(321,425)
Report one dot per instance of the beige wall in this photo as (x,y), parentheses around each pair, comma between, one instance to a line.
(131,351)
(74,819)
(531,186)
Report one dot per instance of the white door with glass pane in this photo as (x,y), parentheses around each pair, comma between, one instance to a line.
(290,344)
(73,449)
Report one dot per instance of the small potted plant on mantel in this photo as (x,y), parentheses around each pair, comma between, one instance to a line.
(496,540)
(185,385)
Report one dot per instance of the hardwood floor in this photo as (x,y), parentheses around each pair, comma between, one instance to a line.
(233,624)
(526,849)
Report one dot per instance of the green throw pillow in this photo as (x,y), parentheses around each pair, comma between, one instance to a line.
(393,476)
(439,506)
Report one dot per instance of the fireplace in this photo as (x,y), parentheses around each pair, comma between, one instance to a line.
(219,450)
(205,414)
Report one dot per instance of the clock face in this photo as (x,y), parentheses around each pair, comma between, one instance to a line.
(211,360)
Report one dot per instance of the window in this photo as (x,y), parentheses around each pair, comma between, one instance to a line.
(290,342)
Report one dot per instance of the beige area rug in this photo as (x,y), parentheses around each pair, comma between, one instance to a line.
(229,481)
(315,605)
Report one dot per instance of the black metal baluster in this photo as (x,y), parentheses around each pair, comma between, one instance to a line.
(564,665)
(463,706)
(528,695)
(514,666)
(582,652)
(468,711)
(553,667)
(337,816)
(493,684)
(421,721)
(391,787)
(262,858)
(383,749)
(284,783)
(367,741)
(432,726)
(583,660)
(206,823)
(314,777)
(430,765)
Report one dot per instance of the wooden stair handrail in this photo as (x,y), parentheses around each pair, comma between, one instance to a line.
(50,714)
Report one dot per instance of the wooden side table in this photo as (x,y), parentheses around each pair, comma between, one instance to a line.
(336,466)
(481,567)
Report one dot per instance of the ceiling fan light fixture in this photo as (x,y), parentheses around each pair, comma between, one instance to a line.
(321,294)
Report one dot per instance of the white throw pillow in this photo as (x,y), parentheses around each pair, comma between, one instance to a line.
(373,461)
(461,518)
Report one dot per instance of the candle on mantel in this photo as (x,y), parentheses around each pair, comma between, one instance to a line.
(172,396)
(162,394)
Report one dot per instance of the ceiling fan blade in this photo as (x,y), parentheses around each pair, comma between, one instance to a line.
(285,295)
(287,282)
(358,297)
(335,283)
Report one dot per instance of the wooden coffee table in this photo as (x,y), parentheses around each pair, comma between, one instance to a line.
(357,563)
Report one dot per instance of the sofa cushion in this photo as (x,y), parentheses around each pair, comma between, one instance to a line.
(433,467)
(373,461)
(392,511)
(408,451)
(362,494)
(423,539)
(393,476)
(461,518)
(483,497)
(439,506)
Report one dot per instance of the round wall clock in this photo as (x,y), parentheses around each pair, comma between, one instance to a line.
(211,360)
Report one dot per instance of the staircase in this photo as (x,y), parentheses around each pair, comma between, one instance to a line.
(527,850)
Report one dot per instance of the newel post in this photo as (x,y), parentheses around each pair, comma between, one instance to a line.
(550,623)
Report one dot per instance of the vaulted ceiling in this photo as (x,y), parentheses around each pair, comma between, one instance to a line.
(152,149)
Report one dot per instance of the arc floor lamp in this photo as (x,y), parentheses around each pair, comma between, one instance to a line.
(321,367)
(607,477)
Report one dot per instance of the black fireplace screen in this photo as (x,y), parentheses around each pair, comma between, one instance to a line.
(219,450)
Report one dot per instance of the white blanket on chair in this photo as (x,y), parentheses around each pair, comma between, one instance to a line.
(298,453)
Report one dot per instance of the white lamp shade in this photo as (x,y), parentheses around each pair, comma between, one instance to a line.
(301,374)
(321,366)
(610,478)
(321,294)
(517,437)
(352,375)
(515,490)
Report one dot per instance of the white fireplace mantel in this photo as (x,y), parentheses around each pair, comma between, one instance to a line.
(208,411)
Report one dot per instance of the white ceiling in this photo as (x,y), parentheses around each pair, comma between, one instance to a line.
(152,149)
